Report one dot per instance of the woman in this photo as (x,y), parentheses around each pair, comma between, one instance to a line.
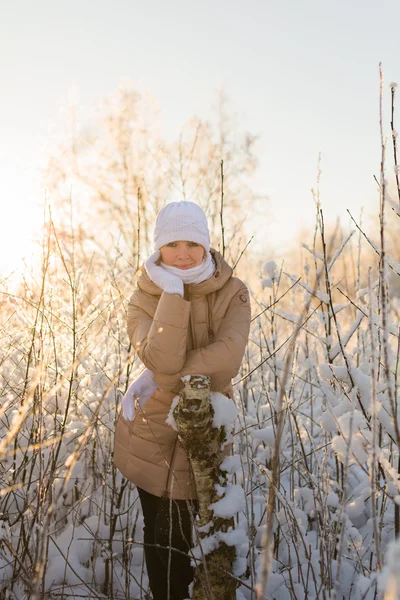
(188,315)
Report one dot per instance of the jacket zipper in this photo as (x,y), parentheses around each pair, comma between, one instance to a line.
(166,491)
(211,339)
(187,297)
(210,329)
(192,330)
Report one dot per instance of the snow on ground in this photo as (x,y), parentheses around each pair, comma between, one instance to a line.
(68,515)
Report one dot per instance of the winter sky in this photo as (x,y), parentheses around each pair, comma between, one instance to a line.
(303,74)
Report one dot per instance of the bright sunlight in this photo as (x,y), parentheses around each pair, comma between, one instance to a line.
(20,218)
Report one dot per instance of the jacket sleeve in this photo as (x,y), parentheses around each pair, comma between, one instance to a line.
(160,341)
(223,357)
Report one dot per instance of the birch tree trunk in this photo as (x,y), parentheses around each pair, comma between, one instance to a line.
(202,444)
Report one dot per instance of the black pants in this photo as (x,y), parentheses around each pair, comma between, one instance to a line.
(168,523)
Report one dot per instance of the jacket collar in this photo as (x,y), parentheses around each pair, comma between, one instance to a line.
(221,275)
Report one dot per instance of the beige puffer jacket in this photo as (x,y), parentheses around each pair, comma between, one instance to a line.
(203,333)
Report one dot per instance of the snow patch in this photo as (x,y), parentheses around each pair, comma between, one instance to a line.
(225,412)
(171,419)
(231,503)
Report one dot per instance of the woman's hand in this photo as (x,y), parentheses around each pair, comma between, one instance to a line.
(138,392)
(166,281)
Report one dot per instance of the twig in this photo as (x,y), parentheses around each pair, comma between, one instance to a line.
(222,210)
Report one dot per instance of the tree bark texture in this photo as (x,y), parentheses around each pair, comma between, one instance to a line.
(202,444)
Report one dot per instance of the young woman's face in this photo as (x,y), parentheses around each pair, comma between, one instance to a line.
(182,254)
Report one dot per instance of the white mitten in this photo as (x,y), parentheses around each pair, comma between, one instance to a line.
(138,392)
(166,281)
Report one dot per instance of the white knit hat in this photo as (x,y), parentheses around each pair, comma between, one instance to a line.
(181,221)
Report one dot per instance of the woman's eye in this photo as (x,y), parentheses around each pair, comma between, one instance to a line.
(193,244)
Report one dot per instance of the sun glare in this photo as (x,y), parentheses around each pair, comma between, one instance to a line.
(20,217)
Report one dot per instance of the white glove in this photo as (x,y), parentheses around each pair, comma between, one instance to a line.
(138,393)
(166,281)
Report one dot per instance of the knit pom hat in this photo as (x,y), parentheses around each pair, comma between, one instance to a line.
(181,221)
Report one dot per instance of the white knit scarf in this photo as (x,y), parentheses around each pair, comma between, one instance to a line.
(195,275)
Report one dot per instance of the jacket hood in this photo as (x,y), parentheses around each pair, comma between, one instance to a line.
(221,275)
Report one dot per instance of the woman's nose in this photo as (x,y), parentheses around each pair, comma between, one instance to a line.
(183,252)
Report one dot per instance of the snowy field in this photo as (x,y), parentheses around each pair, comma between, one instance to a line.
(324,370)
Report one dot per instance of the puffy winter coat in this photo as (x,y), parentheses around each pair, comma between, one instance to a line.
(203,333)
